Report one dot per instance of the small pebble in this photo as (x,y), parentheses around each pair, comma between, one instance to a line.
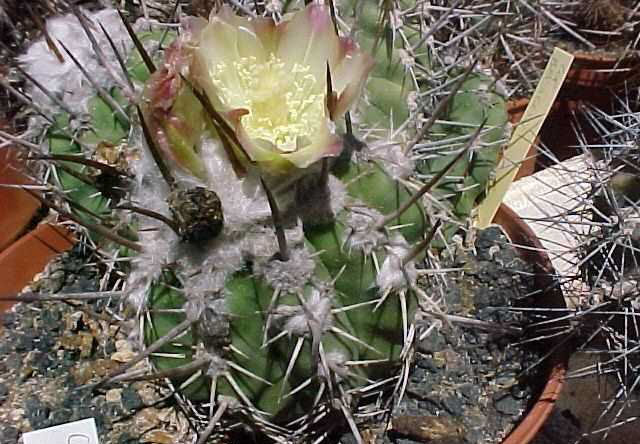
(114,395)
(8,435)
(130,399)
(4,392)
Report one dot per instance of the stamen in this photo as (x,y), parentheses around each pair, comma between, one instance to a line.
(285,103)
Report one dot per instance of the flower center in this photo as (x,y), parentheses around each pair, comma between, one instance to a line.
(285,104)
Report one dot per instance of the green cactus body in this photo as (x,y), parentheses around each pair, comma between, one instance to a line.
(476,102)
(248,300)
(369,183)
(355,281)
(282,352)
(163,297)
(390,82)
(105,129)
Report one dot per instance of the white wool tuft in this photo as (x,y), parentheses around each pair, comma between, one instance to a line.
(290,276)
(336,361)
(159,242)
(393,159)
(363,236)
(310,320)
(65,80)
(206,285)
(217,367)
(193,309)
(248,231)
(393,275)
(338,193)
(243,200)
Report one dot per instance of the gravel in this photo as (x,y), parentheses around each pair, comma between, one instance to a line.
(465,387)
(50,350)
(470,385)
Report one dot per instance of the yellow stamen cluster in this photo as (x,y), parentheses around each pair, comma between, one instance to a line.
(285,103)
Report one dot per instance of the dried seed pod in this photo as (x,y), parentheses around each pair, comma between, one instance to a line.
(197,212)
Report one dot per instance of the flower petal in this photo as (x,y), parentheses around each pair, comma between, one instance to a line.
(221,45)
(325,145)
(350,76)
(262,27)
(173,114)
(259,151)
(309,39)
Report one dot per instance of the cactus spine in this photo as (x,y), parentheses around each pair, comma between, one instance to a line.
(284,334)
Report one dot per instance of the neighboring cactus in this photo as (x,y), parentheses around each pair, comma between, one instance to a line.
(604,222)
(610,248)
(276,276)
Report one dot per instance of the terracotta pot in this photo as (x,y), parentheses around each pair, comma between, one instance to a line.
(557,134)
(28,256)
(596,70)
(17,207)
(23,253)
(532,251)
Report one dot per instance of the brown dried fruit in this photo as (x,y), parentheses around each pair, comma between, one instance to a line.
(197,212)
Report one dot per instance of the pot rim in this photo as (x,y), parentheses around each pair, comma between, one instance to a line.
(17,207)
(28,256)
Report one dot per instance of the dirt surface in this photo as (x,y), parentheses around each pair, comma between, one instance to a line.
(470,384)
(466,384)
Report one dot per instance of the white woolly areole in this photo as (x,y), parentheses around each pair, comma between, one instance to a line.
(146,266)
(290,276)
(247,233)
(65,80)
(362,235)
(393,275)
(207,284)
(159,242)
(338,193)
(310,320)
(217,367)
(243,199)
(336,362)
(392,158)
(193,309)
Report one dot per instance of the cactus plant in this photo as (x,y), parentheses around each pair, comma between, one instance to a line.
(599,225)
(476,101)
(272,254)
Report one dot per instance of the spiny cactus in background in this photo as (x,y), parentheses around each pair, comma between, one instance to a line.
(599,222)
(272,259)
(610,248)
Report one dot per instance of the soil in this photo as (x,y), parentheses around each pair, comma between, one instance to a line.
(472,385)
(50,350)
(467,384)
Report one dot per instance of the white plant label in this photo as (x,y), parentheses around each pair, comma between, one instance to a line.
(525,133)
(77,432)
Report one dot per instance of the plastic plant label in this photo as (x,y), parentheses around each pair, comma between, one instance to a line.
(525,133)
(77,432)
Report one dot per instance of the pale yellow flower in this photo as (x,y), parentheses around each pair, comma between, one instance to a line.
(270,81)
